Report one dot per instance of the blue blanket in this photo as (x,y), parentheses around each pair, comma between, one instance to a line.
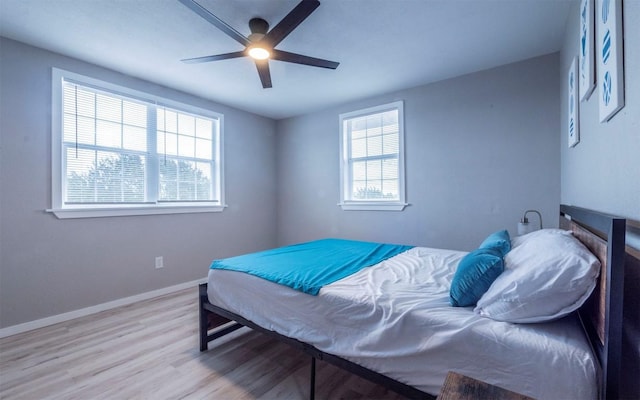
(307,267)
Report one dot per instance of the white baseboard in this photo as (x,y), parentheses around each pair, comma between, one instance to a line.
(54,319)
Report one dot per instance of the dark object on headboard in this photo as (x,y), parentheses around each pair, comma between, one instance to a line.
(601,315)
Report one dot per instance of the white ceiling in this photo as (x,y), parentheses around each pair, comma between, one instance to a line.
(382,45)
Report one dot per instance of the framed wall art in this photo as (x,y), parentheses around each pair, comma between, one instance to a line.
(609,56)
(573,120)
(586,65)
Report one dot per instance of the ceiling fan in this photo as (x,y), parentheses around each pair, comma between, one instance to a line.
(261,43)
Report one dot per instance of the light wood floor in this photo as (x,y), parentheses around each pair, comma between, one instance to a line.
(149,350)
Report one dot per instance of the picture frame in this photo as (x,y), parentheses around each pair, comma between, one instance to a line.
(573,119)
(609,55)
(587,57)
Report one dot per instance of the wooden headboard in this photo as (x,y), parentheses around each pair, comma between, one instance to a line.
(601,315)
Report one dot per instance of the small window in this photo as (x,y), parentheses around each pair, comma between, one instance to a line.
(116,151)
(372,158)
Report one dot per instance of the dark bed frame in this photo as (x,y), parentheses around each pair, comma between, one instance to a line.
(601,316)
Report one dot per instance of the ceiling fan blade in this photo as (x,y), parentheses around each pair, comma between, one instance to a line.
(217,22)
(263,71)
(300,59)
(290,21)
(216,57)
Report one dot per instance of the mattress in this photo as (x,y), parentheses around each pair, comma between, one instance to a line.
(395,318)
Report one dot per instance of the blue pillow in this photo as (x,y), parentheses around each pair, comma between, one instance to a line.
(498,240)
(476,272)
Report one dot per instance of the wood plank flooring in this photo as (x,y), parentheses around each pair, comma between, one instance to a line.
(149,350)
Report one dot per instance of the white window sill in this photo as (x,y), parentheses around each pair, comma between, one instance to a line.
(372,206)
(86,212)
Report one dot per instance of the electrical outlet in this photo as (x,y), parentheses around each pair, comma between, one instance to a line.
(159,262)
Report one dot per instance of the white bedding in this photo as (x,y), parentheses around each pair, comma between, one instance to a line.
(395,318)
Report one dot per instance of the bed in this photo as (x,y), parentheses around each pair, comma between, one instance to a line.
(393,322)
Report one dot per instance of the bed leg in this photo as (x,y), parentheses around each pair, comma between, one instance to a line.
(312,384)
(204,319)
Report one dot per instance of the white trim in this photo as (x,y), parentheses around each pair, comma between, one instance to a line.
(83,312)
(57,76)
(107,87)
(372,206)
(152,207)
(219,158)
(67,213)
(345,183)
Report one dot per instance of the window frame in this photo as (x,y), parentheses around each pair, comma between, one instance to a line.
(346,202)
(63,211)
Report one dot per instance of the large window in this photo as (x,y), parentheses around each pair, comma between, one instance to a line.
(372,158)
(117,151)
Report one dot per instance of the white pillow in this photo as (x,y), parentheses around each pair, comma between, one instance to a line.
(547,275)
(518,240)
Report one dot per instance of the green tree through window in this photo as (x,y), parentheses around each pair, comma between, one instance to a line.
(182,180)
(115,178)
(120,178)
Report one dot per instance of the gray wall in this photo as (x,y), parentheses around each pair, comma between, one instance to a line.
(480,149)
(603,171)
(50,266)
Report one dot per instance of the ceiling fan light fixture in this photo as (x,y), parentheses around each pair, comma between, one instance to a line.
(260,44)
(259,53)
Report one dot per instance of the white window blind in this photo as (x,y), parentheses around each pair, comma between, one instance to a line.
(372,164)
(185,143)
(119,149)
(105,147)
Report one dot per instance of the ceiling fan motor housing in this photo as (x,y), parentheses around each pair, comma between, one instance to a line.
(258,25)
(261,43)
